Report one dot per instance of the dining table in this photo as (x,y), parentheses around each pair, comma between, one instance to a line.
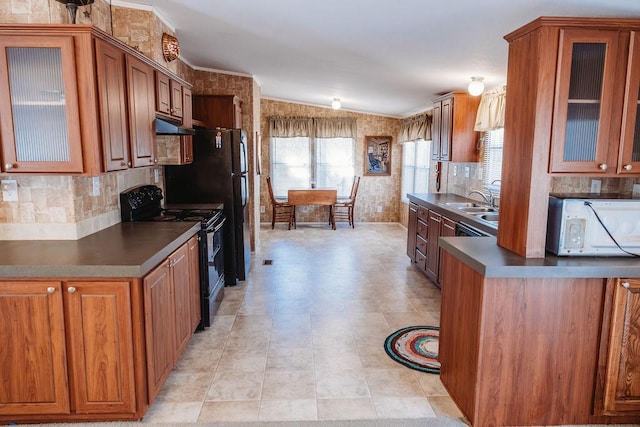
(313,196)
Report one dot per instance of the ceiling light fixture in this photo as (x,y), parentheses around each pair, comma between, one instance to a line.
(476,87)
(336,104)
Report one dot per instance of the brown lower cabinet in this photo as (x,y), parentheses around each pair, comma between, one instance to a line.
(530,348)
(618,385)
(93,349)
(433,250)
(425,227)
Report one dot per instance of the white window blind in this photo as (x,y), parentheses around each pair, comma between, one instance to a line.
(290,164)
(300,162)
(415,167)
(492,161)
(334,162)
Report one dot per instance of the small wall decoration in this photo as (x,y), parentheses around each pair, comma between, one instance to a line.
(259,151)
(377,155)
(170,47)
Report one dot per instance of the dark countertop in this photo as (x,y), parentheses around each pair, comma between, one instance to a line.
(436,202)
(127,249)
(487,258)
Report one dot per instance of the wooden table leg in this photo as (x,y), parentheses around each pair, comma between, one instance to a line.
(291,215)
(332,218)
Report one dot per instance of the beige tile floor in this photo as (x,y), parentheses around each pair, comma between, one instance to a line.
(302,339)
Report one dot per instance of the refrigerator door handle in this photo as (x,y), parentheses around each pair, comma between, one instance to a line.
(245,193)
(243,153)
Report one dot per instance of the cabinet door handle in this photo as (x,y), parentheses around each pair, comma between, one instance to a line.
(71,290)
(628,167)
(51,289)
(625,285)
(9,166)
(603,166)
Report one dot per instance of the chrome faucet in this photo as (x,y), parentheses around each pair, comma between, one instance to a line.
(487,197)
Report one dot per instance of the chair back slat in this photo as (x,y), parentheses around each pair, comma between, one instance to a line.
(354,188)
(273,199)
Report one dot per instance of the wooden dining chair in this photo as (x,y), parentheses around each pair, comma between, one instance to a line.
(343,209)
(281,210)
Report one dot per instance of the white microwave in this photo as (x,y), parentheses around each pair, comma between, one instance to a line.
(592,227)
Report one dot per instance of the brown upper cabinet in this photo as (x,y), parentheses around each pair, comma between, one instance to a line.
(571,108)
(141,112)
(187,107)
(596,129)
(39,102)
(163,93)
(88,96)
(112,92)
(454,116)
(218,111)
(171,100)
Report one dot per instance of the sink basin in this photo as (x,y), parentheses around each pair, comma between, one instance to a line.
(489,217)
(478,209)
(461,205)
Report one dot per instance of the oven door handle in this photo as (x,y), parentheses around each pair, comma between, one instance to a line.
(218,226)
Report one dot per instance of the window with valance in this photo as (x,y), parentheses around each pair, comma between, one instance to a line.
(490,122)
(312,151)
(415,138)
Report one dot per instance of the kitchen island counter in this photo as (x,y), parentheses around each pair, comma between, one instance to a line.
(127,249)
(487,258)
(556,326)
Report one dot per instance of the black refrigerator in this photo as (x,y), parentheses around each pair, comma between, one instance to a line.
(218,174)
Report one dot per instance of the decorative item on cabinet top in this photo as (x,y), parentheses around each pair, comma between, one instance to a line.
(170,47)
(72,8)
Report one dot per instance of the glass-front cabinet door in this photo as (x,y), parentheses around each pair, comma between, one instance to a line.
(630,136)
(39,112)
(583,111)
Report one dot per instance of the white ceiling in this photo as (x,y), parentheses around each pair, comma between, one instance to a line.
(387,57)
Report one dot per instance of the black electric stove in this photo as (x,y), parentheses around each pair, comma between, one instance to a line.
(144,203)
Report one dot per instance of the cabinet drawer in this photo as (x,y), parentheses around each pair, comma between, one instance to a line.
(421,244)
(423,214)
(420,259)
(421,229)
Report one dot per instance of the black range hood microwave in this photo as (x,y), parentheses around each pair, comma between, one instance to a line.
(165,127)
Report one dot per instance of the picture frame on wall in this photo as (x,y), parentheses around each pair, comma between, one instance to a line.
(377,155)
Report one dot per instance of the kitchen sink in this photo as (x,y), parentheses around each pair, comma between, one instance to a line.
(462,205)
(478,209)
(489,217)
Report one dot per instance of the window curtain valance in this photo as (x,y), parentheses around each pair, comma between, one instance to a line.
(290,127)
(490,114)
(320,127)
(335,127)
(415,128)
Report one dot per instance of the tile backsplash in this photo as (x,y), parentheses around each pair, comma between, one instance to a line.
(65,207)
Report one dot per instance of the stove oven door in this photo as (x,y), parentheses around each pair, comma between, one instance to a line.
(212,280)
